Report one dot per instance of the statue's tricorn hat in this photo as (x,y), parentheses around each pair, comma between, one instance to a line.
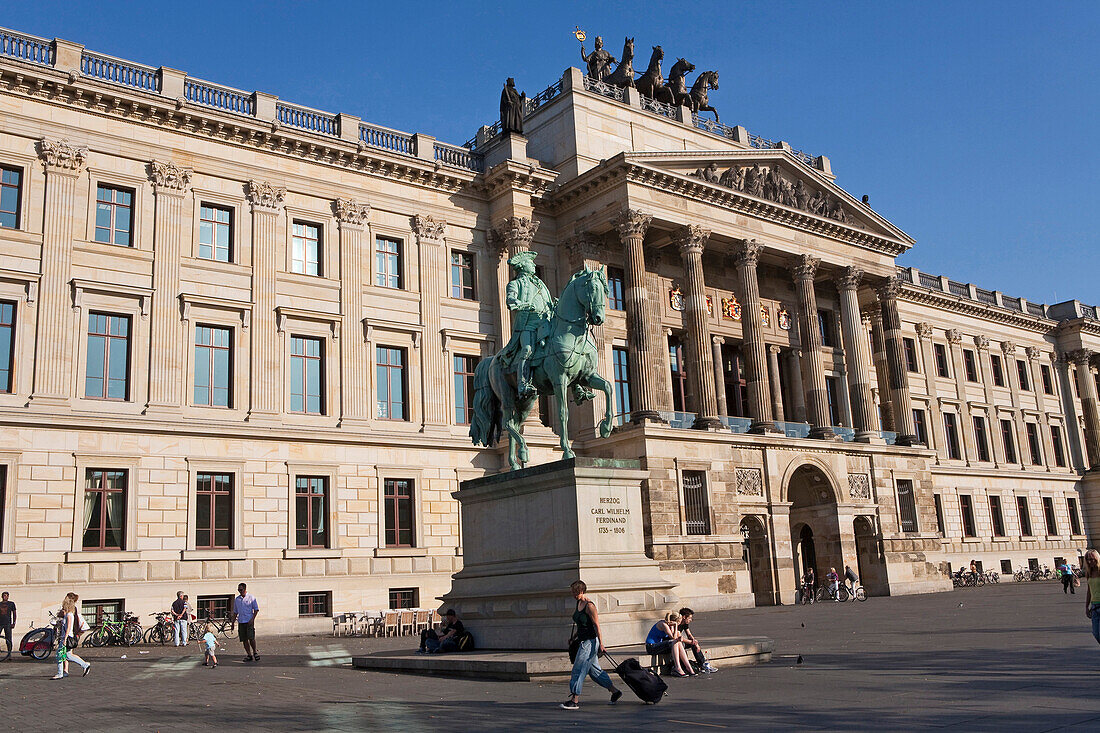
(520,257)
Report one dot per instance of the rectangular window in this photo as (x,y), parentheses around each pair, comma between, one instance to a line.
(306,249)
(1007,434)
(11,197)
(997,516)
(1006,567)
(114,215)
(315,603)
(981,438)
(939,515)
(996,370)
(696,504)
(104,509)
(1074,517)
(307,375)
(1021,370)
(390,383)
(907,505)
(621,365)
(404,598)
(832,394)
(387,263)
(941,360)
(825,325)
(464,388)
(96,612)
(463,279)
(1059,448)
(970,364)
(679,376)
(213,606)
(615,299)
(215,233)
(1033,443)
(966,508)
(1048,514)
(398,497)
(7,346)
(311,511)
(921,428)
(951,433)
(911,363)
(214,511)
(1025,516)
(1048,379)
(213,366)
(107,373)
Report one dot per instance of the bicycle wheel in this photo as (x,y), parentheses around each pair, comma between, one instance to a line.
(42,649)
(861,595)
(131,634)
(981,580)
(842,593)
(163,634)
(196,629)
(229,630)
(98,637)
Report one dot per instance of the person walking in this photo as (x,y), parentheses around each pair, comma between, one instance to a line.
(1067,579)
(1092,591)
(181,618)
(245,611)
(587,662)
(209,643)
(69,631)
(7,621)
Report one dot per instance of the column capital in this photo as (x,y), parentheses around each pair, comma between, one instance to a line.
(1008,347)
(691,238)
(982,342)
(428,227)
(954,336)
(59,156)
(1080,357)
(774,349)
(718,340)
(514,233)
(889,289)
(265,196)
(631,222)
(167,177)
(804,267)
(746,253)
(924,330)
(350,213)
(848,278)
(1033,353)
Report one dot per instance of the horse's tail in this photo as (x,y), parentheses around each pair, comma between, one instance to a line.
(485,423)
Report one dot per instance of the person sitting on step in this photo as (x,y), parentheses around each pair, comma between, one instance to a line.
(665,638)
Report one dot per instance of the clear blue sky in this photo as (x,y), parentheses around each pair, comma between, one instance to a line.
(971,125)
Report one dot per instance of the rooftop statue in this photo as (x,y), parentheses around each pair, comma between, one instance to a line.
(599,61)
(511,108)
(550,352)
(623,76)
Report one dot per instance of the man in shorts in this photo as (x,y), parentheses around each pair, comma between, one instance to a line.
(245,610)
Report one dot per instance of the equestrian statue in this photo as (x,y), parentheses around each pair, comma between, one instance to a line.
(551,352)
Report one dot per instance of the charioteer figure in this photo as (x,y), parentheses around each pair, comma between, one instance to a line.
(531,305)
(599,61)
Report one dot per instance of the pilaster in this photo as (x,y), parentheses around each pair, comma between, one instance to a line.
(266,390)
(355,402)
(431,243)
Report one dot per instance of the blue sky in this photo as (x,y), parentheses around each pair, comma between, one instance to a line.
(971,125)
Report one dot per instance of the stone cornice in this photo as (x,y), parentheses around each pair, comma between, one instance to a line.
(914,294)
(61,156)
(511,175)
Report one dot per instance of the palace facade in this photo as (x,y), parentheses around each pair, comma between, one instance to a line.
(238,335)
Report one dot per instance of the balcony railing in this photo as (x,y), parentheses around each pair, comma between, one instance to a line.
(844,433)
(660,108)
(25,47)
(384,138)
(305,118)
(682,420)
(216,96)
(889,436)
(117,71)
(736,424)
(603,88)
(458,157)
(794,429)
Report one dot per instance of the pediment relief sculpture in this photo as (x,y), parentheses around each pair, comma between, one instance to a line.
(769,183)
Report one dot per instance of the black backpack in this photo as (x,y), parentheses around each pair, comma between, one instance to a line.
(465,642)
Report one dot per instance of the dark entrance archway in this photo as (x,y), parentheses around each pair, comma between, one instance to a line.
(872,569)
(815,526)
(806,555)
(758,557)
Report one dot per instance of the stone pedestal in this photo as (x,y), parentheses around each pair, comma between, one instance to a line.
(528,534)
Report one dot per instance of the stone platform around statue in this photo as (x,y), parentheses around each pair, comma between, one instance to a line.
(536,666)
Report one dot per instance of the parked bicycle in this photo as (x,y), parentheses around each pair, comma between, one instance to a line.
(843,593)
(127,632)
(224,626)
(161,632)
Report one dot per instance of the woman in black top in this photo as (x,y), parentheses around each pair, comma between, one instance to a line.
(587,661)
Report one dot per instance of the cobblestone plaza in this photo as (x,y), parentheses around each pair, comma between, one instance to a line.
(238,336)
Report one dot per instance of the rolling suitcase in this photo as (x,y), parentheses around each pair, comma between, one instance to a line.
(647,686)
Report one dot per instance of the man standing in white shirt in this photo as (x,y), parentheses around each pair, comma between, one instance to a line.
(245,610)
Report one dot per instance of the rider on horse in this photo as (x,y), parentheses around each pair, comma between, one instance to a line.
(530,301)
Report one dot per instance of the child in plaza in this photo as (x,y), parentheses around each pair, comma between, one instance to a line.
(209,642)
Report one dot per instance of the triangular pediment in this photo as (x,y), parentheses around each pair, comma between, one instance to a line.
(777,178)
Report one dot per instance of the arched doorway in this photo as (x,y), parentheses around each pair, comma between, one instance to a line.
(872,569)
(815,526)
(758,557)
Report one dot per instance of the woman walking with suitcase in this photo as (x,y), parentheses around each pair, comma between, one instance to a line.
(589,648)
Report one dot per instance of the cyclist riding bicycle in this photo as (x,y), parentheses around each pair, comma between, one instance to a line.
(850,579)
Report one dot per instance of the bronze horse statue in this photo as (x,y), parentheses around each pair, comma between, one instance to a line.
(676,84)
(623,75)
(652,82)
(697,97)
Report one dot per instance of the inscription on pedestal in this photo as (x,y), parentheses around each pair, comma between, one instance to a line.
(610,516)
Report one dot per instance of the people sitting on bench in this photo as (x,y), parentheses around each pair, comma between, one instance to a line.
(444,640)
(690,642)
(664,638)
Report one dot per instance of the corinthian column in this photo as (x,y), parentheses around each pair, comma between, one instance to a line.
(170,185)
(1081,360)
(746,256)
(803,270)
(512,236)
(691,240)
(856,354)
(53,361)
(351,217)
(642,325)
(433,279)
(265,391)
(895,362)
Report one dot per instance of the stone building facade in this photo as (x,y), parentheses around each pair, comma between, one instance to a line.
(237,338)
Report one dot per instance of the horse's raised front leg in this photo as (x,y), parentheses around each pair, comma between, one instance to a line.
(560,388)
(595,381)
(523,409)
